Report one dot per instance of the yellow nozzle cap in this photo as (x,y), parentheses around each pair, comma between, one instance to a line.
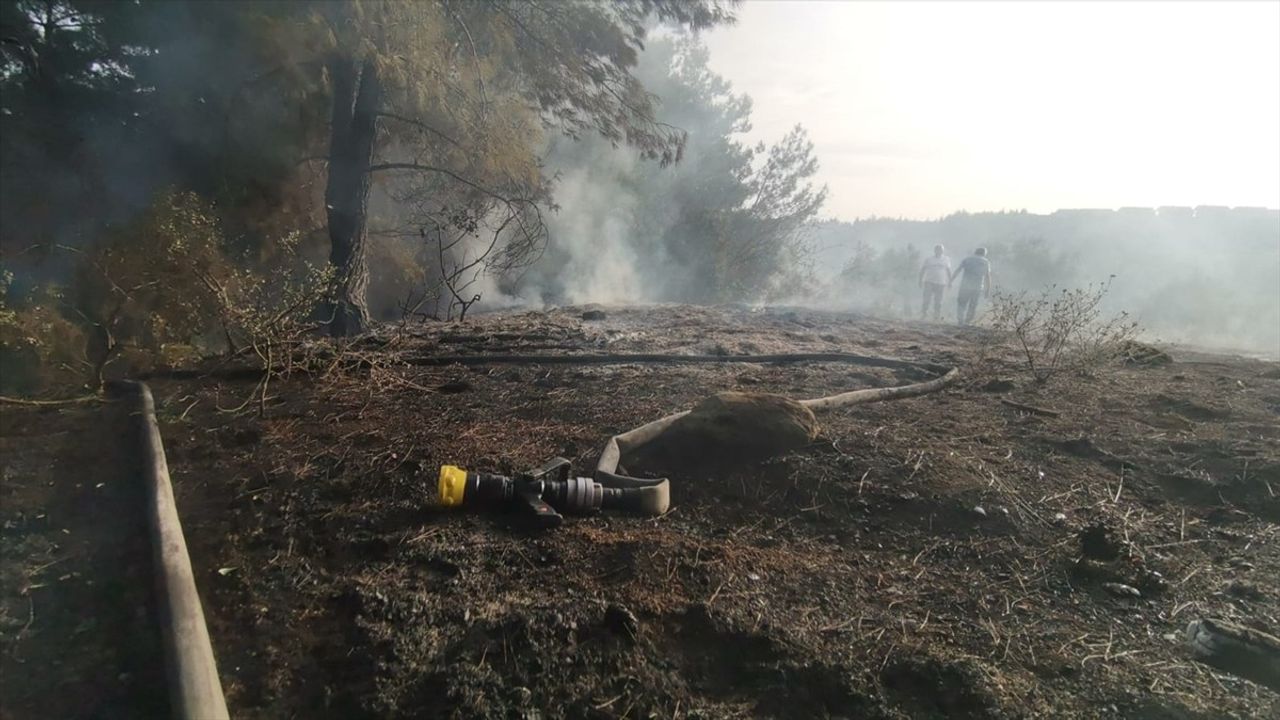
(453,483)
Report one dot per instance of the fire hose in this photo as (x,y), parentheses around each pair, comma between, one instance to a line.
(545,491)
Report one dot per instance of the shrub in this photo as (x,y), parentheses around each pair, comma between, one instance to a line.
(1062,330)
(151,282)
(40,350)
(155,291)
(271,307)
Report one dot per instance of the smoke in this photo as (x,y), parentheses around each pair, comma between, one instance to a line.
(626,231)
(726,223)
(1207,276)
(612,228)
(594,258)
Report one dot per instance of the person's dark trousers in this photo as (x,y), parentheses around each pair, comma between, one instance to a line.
(967,305)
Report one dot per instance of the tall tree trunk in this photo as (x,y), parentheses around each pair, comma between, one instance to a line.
(357,93)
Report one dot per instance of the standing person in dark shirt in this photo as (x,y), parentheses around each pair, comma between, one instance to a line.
(977,280)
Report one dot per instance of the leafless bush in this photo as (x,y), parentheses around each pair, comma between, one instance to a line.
(1062,330)
(493,237)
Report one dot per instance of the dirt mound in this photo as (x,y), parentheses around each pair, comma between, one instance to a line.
(727,429)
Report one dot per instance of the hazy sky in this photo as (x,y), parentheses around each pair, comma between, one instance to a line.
(919,109)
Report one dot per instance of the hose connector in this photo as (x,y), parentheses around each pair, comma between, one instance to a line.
(453,485)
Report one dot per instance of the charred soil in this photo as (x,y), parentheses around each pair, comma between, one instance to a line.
(951,555)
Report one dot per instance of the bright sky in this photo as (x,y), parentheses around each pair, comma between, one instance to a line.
(919,109)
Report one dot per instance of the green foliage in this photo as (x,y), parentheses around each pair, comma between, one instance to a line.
(763,237)
(40,350)
(467,89)
(106,103)
(270,305)
(157,279)
(154,291)
(726,223)
(742,209)
(468,96)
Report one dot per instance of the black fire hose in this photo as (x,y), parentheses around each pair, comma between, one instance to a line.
(672,359)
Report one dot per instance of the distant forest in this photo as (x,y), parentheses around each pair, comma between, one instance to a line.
(1207,275)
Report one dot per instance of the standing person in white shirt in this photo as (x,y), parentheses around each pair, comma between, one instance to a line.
(935,278)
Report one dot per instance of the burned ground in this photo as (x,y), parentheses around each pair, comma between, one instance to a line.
(922,558)
(78,630)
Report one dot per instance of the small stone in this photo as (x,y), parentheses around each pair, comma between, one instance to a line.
(1059,518)
(1121,590)
(979,510)
(1246,590)
(1099,542)
(621,620)
(1133,352)
(454,387)
(1171,637)
(1151,582)
(753,576)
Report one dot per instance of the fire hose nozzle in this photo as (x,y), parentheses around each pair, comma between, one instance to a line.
(546,491)
(453,485)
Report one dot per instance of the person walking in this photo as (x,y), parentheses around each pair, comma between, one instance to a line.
(976,281)
(935,278)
